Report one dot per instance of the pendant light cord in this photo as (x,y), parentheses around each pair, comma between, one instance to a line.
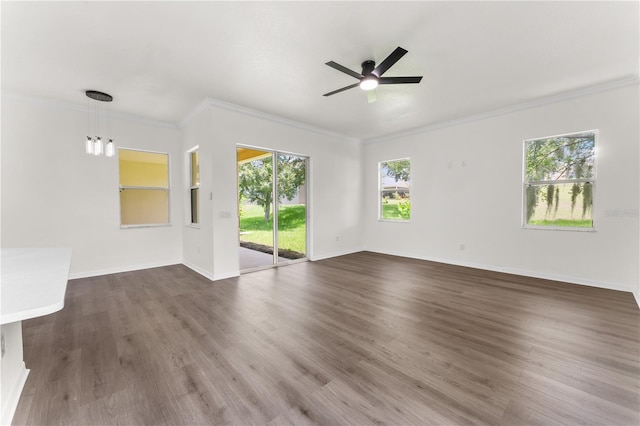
(89,117)
(109,120)
(95,113)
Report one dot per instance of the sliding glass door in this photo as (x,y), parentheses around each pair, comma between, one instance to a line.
(292,207)
(272,208)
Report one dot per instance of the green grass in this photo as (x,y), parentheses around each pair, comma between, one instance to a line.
(571,223)
(390,210)
(291,227)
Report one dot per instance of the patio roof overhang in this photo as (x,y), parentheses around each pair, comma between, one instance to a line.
(247,154)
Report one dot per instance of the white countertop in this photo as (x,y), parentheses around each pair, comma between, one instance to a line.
(34,281)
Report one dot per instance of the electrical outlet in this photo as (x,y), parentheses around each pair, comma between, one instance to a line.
(462,246)
(2,343)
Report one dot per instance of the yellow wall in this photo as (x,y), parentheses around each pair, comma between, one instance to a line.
(143,174)
(144,206)
(195,168)
(143,169)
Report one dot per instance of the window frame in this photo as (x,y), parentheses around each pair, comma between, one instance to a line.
(190,187)
(156,188)
(380,189)
(592,181)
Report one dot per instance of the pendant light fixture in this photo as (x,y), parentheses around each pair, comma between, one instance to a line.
(94,144)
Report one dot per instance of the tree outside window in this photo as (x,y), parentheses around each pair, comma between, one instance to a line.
(559,181)
(394,189)
(256,185)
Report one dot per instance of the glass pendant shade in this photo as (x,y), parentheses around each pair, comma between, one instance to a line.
(110,149)
(89,145)
(97,146)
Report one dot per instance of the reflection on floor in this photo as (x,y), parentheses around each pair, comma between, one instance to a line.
(255,259)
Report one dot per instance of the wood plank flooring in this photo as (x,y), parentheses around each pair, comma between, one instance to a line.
(359,339)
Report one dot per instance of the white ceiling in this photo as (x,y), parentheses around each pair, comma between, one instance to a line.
(161,59)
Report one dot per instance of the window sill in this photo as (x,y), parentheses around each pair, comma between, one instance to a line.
(395,220)
(150,225)
(558,228)
(193,225)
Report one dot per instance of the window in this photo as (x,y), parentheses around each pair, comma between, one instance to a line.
(194,186)
(559,181)
(394,186)
(144,188)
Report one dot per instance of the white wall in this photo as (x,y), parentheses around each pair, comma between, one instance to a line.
(55,195)
(198,241)
(480,205)
(334,194)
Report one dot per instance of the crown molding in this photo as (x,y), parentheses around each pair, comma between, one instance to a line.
(211,102)
(201,107)
(560,97)
(70,106)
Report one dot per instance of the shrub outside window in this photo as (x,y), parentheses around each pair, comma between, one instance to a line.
(394,190)
(144,188)
(559,181)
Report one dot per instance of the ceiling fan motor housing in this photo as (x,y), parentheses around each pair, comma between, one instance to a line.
(368,67)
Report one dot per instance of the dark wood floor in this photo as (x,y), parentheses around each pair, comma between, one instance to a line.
(359,339)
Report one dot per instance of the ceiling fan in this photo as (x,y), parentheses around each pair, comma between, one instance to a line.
(371,75)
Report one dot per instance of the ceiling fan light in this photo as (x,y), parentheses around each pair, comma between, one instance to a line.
(369,82)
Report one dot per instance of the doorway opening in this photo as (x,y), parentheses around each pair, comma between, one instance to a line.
(272,208)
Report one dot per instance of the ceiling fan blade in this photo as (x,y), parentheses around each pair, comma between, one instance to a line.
(344,69)
(342,90)
(399,80)
(372,96)
(389,61)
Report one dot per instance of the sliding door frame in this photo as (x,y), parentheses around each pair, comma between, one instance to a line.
(276,203)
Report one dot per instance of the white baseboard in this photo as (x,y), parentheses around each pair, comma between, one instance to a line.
(217,277)
(199,270)
(508,270)
(209,275)
(514,271)
(204,273)
(223,276)
(87,274)
(335,254)
(10,402)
